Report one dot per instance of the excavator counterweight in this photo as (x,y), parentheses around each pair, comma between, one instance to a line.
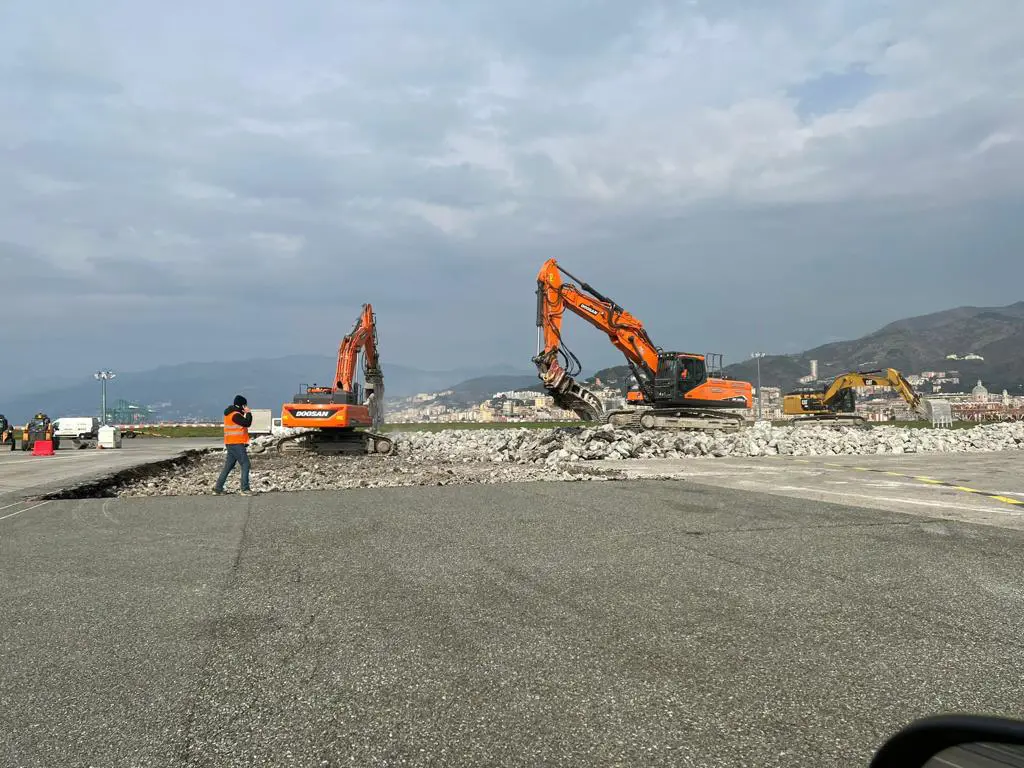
(676,390)
(336,417)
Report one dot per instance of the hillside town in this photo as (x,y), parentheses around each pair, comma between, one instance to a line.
(969,399)
(875,404)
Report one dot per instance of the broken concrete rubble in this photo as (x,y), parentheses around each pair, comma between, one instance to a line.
(526,446)
(271,472)
(452,457)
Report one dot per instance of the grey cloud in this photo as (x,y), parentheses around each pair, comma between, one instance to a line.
(94,160)
(888,158)
(545,116)
(563,29)
(267,167)
(51,77)
(186,178)
(273,168)
(394,121)
(21,265)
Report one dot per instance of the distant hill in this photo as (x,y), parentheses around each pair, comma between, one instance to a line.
(480,388)
(618,377)
(202,390)
(911,346)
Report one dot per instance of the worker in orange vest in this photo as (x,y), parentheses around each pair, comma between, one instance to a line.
(237,420)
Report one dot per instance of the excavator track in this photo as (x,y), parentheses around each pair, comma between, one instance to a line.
(675,418)
(338,443)
(838,419)
(571,395)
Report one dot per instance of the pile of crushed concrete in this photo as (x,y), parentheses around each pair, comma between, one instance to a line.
(304,472)
(457,457)
(552,447)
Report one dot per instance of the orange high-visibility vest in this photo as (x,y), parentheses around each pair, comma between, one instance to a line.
(234,434)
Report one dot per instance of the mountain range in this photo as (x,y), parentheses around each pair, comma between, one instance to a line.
(202,390)
(913,345)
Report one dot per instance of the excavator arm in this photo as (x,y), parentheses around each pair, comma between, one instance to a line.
(363,338)
(624,330)
(557,365)
(887,377)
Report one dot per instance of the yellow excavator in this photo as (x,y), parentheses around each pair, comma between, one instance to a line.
(836,401)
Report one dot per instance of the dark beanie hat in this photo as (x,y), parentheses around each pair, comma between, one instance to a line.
(240,401)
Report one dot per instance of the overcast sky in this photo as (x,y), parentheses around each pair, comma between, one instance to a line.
(225,180)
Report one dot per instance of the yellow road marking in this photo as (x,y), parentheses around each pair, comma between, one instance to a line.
(1008,500)
(923,479)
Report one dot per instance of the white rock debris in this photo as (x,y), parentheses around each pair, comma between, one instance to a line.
(531,446)
(461,456)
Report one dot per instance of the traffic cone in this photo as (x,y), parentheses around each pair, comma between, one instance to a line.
(42,448)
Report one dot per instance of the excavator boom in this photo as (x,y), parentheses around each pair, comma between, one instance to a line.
(625,331)
(676,382)
(335,412)
(556,364)
(363,338)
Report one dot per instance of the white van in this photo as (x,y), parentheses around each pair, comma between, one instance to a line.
(262,422)
(81,427)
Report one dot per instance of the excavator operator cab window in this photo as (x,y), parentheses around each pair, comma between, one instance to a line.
(691,373)
(685,372)
(690,369)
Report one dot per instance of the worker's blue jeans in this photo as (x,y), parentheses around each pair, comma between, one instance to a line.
(236,454)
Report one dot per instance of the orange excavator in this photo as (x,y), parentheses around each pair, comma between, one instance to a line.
(675,390)
(334,418)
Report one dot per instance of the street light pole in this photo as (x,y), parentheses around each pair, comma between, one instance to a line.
(103,377)
(757,356)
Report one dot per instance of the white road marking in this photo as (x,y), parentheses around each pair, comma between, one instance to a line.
(34,459)
(27,509)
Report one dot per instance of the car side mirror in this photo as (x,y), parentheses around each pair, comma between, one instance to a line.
(954,740)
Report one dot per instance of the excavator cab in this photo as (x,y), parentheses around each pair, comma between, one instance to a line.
(811,400)
(677,374)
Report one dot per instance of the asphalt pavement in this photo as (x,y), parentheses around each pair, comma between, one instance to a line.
(628,623)
(983,487)
(24,476)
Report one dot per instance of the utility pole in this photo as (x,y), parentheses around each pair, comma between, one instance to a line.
(757,356)
(103,377)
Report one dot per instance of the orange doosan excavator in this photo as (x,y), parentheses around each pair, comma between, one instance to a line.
(676,390)
(334,418)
